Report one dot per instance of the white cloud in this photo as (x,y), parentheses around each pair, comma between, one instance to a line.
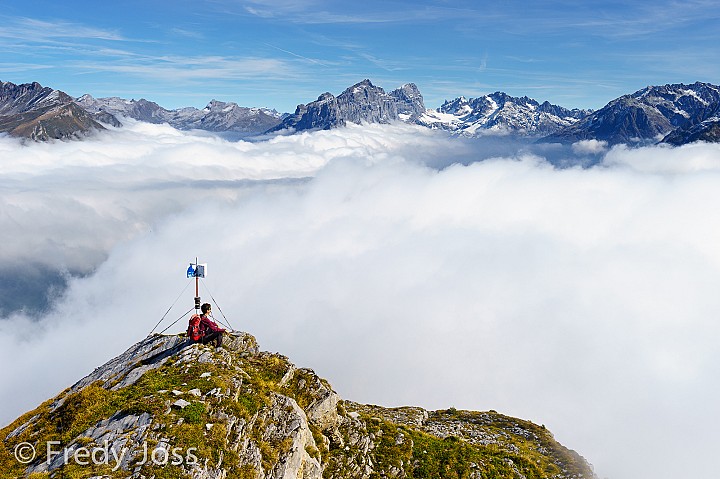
(183,68)
(583,299)
(30,29)
(69,203)
(696,158)
(592,147)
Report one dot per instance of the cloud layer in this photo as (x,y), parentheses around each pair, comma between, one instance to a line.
(583,299)
(65,205)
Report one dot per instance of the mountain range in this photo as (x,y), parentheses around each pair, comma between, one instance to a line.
(499,113)
(167,408)
(217,116)
(675,114)
(648,115)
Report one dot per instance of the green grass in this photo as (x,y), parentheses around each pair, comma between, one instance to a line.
(423,456)
(194,413)
(249,391)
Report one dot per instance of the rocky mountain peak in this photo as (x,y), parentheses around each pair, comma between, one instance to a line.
(215,104)
(325,97)
(41,113)
(365,102)
(409,100)
(362,102)
(366,83)
(647,115)
(168,408)
(16,99)
(364,88)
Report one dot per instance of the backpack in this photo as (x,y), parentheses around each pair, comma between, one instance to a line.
(194,332)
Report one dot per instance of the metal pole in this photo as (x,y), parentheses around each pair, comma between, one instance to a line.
(197,287)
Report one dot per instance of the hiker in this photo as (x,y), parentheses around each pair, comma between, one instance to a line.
(211,332)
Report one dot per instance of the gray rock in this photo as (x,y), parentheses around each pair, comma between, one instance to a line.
(408,100)
(181,404)
(19,430)
(276,438)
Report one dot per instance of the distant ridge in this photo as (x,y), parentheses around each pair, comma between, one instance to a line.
(500,113)
(40,113)
(647,116)
(217,116)
(676,114)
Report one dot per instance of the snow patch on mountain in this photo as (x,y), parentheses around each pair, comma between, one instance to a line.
(646,116)
(499,113)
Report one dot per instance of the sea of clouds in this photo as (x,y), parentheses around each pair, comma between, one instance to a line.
(394,263)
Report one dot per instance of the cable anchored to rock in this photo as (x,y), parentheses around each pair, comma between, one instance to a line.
(197,271)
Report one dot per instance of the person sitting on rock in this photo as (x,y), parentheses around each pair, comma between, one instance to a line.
(212,333)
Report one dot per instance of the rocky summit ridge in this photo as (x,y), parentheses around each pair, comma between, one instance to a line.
(500,113)
(169,409)
(362,102)
(649,116)
(41,113)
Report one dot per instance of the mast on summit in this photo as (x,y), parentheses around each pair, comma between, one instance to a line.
(197,271)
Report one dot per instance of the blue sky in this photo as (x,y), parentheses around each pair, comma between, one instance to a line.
(281,53)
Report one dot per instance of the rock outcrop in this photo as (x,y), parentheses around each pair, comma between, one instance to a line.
(167,408)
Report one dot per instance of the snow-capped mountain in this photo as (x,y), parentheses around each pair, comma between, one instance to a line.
(40,113)
(362,102)
(217,116)
(645,116)
(708,130)
(675,114)
(499,113)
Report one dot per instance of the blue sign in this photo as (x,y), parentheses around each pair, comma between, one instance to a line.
(197,270)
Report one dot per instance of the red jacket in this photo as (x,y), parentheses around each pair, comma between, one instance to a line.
(207,324)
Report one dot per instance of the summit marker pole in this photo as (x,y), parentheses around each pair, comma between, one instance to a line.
(197,286)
